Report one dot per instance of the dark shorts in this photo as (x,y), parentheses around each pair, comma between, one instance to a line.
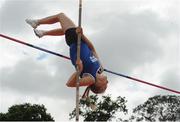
(71,36)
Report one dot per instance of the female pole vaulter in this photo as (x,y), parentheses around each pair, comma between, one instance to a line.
(91,69)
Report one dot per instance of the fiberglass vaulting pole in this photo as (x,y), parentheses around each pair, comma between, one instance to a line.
(78,58)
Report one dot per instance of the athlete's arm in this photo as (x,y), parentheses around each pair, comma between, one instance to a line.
(85,81)
(89,43)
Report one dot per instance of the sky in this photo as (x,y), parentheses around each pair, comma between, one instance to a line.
(138,38)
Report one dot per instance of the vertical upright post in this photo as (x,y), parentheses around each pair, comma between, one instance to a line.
(78,58)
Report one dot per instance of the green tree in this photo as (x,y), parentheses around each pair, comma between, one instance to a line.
(159,108)
(26,112)
(96,109)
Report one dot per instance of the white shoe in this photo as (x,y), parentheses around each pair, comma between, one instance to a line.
(32,23)
(39,33)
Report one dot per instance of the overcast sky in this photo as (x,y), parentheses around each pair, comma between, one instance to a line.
(139,38)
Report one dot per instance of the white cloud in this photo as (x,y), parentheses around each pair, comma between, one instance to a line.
(14,12)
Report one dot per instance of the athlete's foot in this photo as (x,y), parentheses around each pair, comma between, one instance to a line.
(39,33)
(32,23)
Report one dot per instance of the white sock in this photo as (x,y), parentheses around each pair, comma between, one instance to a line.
(39,33)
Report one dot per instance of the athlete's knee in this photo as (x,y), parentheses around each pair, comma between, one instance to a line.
(61,14)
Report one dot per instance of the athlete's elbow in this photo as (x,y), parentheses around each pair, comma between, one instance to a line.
(69,85)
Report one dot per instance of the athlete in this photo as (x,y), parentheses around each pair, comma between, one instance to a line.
(89,64)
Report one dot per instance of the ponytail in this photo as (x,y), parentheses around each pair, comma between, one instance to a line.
(86,92)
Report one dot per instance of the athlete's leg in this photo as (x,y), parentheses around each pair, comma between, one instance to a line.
(54,32)
(47,20)
(50,20)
